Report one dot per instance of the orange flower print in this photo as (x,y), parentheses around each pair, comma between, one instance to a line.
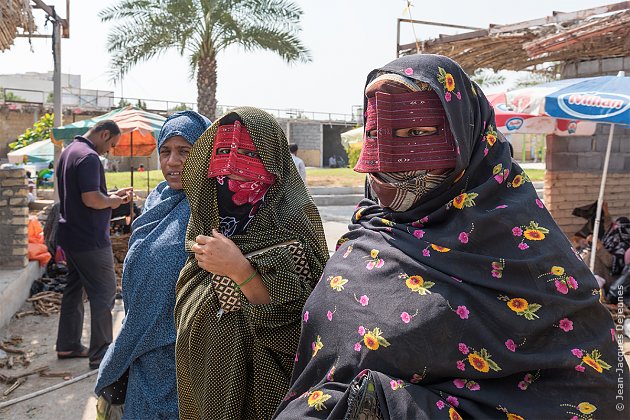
(337,282)
(478,363)
(449,82)
(517,304)
(373,339)
(317,399)
(464,200)
(417,284)
(458,202)
(533,235)
(480,360)
(440,248)
(491,139)
(519,180)
(532,232)
(453,415)
(592,363)
(512,416)
(522,307)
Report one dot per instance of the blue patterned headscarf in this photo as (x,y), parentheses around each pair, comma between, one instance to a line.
(156,255)
(188,124)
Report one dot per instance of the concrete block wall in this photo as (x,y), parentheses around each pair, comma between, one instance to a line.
(599,67)
(308,135)
(574,173)
(14,216)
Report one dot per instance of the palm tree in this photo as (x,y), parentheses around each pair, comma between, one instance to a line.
(200,29)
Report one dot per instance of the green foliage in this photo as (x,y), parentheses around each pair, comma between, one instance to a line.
(180,107)
(487,78)
(141,104)
(10,96)
(40,131)
(123,103)
(354,150)
(533,79)
(50,98)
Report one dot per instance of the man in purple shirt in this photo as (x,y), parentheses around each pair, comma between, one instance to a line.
(83,233)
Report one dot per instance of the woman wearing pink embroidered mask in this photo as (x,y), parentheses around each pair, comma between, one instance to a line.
(454,294)
(409,148)
(258,250)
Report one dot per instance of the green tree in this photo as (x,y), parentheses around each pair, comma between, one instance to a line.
(180,107)
(40,131)
(141,104)
(123,103)
(200,29)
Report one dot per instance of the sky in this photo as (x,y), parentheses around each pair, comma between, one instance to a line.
(346,38)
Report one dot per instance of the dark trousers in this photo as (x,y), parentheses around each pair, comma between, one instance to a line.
(94,272)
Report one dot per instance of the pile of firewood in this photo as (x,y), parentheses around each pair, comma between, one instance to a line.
(120,246)
(44,303)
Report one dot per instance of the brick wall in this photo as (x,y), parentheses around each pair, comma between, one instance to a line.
(574,173)
(14,215)
(12,124)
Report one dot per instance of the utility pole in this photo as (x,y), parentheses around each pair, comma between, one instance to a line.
(61,28)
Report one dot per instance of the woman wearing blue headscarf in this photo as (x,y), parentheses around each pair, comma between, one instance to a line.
(138,369)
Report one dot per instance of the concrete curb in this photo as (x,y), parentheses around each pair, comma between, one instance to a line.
(15,287)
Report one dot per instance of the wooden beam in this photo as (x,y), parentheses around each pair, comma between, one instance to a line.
(560,17)
(446,25)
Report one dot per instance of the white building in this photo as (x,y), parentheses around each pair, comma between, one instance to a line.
(38,88)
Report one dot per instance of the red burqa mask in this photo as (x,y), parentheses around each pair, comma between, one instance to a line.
(387,113)
(234,153)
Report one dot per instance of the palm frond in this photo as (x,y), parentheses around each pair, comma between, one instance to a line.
(487,78)
(128,9)
(286,44)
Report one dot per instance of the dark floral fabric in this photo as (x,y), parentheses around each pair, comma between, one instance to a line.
(472,304)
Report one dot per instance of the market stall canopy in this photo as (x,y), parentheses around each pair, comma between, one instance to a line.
(351,137)
(41,151)
(139,129)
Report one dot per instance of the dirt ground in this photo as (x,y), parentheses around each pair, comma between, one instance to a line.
(39,333)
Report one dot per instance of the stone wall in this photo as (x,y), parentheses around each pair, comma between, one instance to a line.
(14,216)
(574,173)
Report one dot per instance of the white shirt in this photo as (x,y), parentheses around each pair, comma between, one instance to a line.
(299,164)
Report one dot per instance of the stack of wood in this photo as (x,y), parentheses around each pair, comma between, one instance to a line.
(15,14)
(44,303)
(120,246)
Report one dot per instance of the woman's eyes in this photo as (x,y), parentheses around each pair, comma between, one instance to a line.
(407,132)
(249,153)
(416,132)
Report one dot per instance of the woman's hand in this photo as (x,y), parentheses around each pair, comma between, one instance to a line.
(219,255)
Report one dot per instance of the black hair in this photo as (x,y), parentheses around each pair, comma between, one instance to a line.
(293,147)
(108,125)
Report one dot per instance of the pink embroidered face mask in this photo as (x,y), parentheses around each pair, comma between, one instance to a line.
(406,132)
(234,153)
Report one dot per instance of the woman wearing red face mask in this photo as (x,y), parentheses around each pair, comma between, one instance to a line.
(455,294)
(258,248)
